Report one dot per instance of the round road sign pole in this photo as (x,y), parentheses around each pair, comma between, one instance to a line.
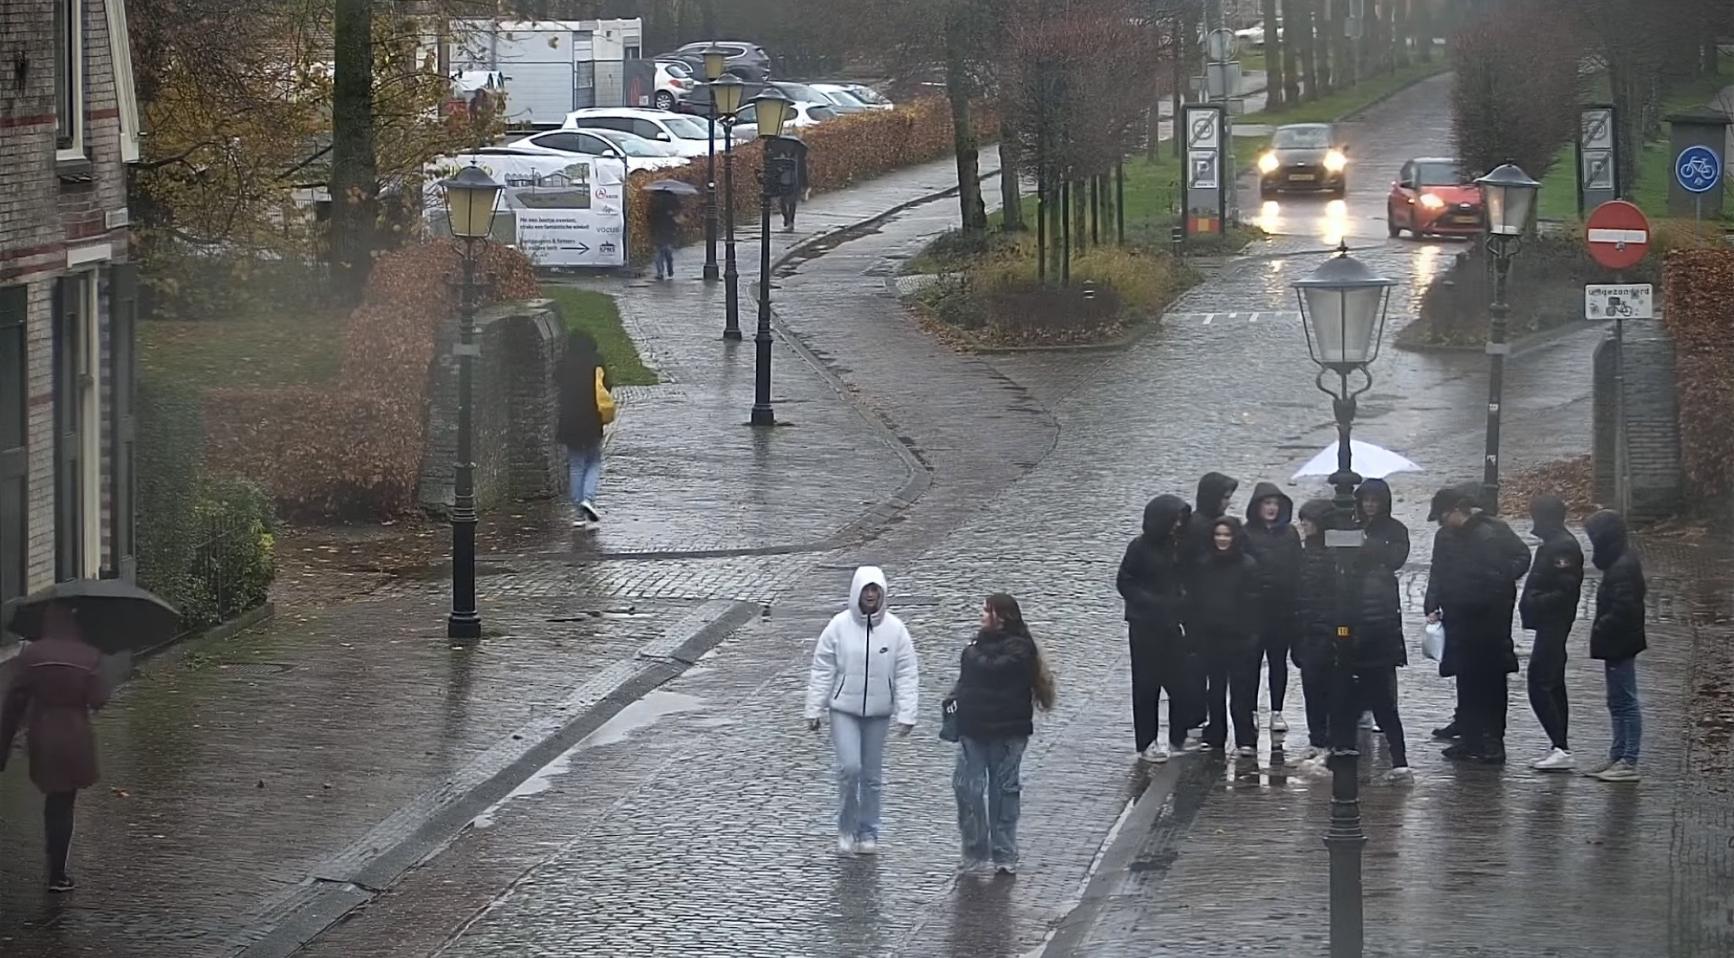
(1619,236)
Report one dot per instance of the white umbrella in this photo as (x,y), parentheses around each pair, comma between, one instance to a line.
(1372,462)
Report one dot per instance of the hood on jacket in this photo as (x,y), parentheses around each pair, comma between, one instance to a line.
(1162,517)
(1211,489)
(1547,515)
(1269,490)
(865,576)
(1317,512)
(1236,547)
(1372,489)
(1607,533)
(1450,497)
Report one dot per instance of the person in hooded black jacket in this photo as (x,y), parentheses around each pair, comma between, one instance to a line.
(1316,625)
(1153,585)
(1272,540)
(1473,588)
(1215,493)
(1548,607)
(1386,549)
(1616,637)
(1222,620)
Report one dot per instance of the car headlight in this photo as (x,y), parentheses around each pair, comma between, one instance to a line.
(1432,201)
(1335,161)
(1267,163)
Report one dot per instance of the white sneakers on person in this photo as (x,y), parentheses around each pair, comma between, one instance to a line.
(1556,760)
(1278,723)
(867,846)
(845,844)
(1155,754)
(588,508)
(1246,751)
(1401,775)
(1367,720)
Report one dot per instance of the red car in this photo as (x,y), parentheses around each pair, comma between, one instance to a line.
(1431,198)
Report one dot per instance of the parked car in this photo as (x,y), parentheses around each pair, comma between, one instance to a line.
(638,152)
(1304,156)
(688,137)
(1254,35)
(749,61)
(842,100)
(1432,197)
(808,111)
(674,82)
(806,115)
(868,95)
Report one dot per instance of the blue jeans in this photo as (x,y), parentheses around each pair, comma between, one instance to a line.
(1623,709)
(860,747)
(664,260)
(988,796)
(584,473)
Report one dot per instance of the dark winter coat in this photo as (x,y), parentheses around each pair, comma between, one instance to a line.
(55,686)
(664,219)
(996,686)
(1384,551)
(1618,631)
(1555,584)
(1225,605)
(580,424)
(1150,577)
(1277,547)
(1474,585)
(1315,610)
(1195,546)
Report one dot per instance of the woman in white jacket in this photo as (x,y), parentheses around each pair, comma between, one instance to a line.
(865,673)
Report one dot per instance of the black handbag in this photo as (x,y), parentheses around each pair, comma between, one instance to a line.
(948,719)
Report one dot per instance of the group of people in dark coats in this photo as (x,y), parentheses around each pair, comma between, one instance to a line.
(1209,599)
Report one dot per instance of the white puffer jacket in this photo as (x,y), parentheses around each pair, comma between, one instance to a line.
(865,665)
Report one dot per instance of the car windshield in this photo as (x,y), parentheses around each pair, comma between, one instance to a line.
(637,145)
(818,113)
(1302,138)
(868,94)
(685,127)
(803,93)
(1437,174)
(844,98)
(677,70)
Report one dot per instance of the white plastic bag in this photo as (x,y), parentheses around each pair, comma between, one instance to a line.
(1433,641)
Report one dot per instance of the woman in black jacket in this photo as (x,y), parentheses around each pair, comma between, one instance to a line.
(1222,621)
(1152,582)
(1001,680)
(1272,540)
(1616,637)
(581,376)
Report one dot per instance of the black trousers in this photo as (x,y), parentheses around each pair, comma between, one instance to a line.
(1158,664)
(1232,678)
(1316,686)
(1368,690)
(786,205)
(1482,702)
(1276,643)
(57,817)
(1547,682)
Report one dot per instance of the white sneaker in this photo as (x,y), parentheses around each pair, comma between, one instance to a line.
(589,510)
(1246,751)
(1156,754)
(1403,775)
(1621,771)
(1367,720)
(1278,723)
(845,844)
(866,846)
(1195,735)
(1557,760)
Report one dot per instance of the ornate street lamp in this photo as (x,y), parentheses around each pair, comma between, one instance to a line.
(714,59)
(1507,196)
(726,94)
(471,197)
(773,109)
(1343,312)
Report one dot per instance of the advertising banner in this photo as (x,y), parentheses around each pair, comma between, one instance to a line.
(561,211)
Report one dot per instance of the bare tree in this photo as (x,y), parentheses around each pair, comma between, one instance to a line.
(354,182)
(1273,57)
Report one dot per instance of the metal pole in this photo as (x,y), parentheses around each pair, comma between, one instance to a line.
(1120,202)
(1497,349)
(1066,233)
(464,621)
(710,268)
(1622,479)
(1041,218)
(1345,838)
(731,275)
(762,412)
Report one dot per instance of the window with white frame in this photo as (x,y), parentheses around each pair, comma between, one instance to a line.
(69,77)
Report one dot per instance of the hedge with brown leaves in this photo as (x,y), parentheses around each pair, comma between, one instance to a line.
(840,153)
(355,447)
(1699,314)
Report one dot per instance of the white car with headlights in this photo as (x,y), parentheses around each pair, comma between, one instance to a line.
(1304,156)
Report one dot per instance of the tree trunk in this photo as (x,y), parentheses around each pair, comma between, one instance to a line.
(1290,37)
(354,180)
(1306,34)
(1421,28)
(1011,166)
(1273,64)
(1399,34)
(973,212)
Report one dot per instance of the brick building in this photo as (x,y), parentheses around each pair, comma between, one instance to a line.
(69,125)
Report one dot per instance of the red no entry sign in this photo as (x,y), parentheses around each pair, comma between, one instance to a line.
(1618,234)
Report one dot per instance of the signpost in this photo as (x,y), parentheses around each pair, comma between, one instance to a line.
(1618,235)
(1203,193)
(1598,176)
(1699,170)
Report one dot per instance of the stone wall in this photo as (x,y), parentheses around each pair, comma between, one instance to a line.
(1652,422)
(516,454)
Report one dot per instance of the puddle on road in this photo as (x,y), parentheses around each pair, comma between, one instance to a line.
(635,717)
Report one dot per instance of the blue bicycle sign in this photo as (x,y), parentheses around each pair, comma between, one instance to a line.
(1698,169)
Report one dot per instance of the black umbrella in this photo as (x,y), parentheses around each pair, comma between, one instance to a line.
(675,187)
(114,615)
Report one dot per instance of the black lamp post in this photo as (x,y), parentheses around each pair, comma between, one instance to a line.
(773,110)
(1508,195)
(470,199)
(714,59)
(1343,312)
(726,93)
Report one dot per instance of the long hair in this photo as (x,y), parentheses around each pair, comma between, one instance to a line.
(1011,619)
